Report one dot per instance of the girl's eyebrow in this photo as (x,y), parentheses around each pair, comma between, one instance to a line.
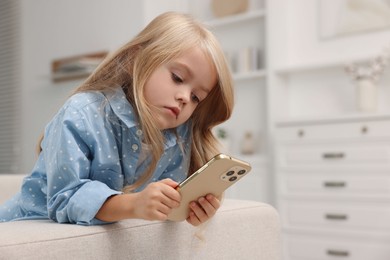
(185,67)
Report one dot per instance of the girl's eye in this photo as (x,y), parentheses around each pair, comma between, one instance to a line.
(195,98)
(176,78)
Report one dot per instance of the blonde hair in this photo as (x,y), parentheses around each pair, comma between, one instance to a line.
(166,37)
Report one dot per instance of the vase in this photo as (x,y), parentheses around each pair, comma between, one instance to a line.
(222,8)
(248,144)
(367,95)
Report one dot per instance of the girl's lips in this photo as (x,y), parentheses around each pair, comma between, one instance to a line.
(174,110)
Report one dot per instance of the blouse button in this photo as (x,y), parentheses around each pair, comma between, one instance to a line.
(134,147)
(139,132)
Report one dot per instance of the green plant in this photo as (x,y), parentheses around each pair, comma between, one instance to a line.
(221,133)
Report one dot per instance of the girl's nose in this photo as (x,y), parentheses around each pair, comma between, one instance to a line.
(183,95)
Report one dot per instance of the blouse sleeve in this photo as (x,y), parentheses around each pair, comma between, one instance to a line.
(72,195)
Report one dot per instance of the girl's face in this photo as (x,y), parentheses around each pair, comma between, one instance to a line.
(175,89)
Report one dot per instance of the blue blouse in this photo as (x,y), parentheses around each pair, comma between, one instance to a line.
(90,152)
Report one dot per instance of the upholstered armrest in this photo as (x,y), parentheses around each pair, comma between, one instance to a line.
(240,230)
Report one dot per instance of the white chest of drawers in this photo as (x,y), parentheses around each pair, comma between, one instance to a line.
(333,188)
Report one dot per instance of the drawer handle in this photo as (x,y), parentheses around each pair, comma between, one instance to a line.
(364,130)
(335,184)
(333,155)
(336,216)
(334,252)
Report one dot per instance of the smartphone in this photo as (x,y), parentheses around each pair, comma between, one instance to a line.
(214,177)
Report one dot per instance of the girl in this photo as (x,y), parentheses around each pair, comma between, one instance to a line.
(135,128)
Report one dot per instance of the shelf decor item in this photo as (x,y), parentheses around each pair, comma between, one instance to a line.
(76,67)
(248,144)
(222,8)
(367,95)
(366,79)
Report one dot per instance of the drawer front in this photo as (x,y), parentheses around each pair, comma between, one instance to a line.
(334,131)
(297,247)
(336,184)
(336,216)
(341,154)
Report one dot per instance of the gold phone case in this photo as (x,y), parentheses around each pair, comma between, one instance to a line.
(214,177)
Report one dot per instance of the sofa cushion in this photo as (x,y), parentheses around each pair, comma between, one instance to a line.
(240,230)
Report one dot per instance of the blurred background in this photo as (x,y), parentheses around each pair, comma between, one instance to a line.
(312,87)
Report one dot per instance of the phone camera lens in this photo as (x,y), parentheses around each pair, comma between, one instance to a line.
(241,172)
(230,173)
(233,178)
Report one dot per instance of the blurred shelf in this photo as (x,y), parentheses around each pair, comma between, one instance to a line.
(76,67)
(249,75)
(67,76)
(304,67)
(239,18)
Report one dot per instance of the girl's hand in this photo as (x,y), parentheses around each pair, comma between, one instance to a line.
(203,209)
(157,200)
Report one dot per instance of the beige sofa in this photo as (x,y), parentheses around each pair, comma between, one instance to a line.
(240,230)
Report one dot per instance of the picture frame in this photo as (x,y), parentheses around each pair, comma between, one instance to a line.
(347,17)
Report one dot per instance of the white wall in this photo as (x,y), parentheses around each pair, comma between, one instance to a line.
(152,8)
(57,29)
